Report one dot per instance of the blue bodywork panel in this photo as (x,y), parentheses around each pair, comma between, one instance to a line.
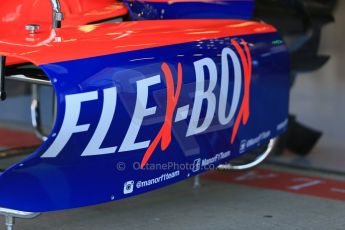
(111,109)
(234,9)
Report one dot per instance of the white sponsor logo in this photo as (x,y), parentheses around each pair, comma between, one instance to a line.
(204,95)
(243,146)
(218,157)
(128,187)
(255,141)
(157,180)
(196,165)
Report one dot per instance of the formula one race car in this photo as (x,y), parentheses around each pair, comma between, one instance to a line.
(148,93)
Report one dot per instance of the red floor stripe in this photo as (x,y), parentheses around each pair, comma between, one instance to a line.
(10,138)
(282,181)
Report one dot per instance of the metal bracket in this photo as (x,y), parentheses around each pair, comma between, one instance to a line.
(36,113)
(196,182)
(57,14)
(11,214)
(254,163)
(30,80)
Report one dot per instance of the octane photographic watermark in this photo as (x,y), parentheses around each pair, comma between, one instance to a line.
(167,166)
